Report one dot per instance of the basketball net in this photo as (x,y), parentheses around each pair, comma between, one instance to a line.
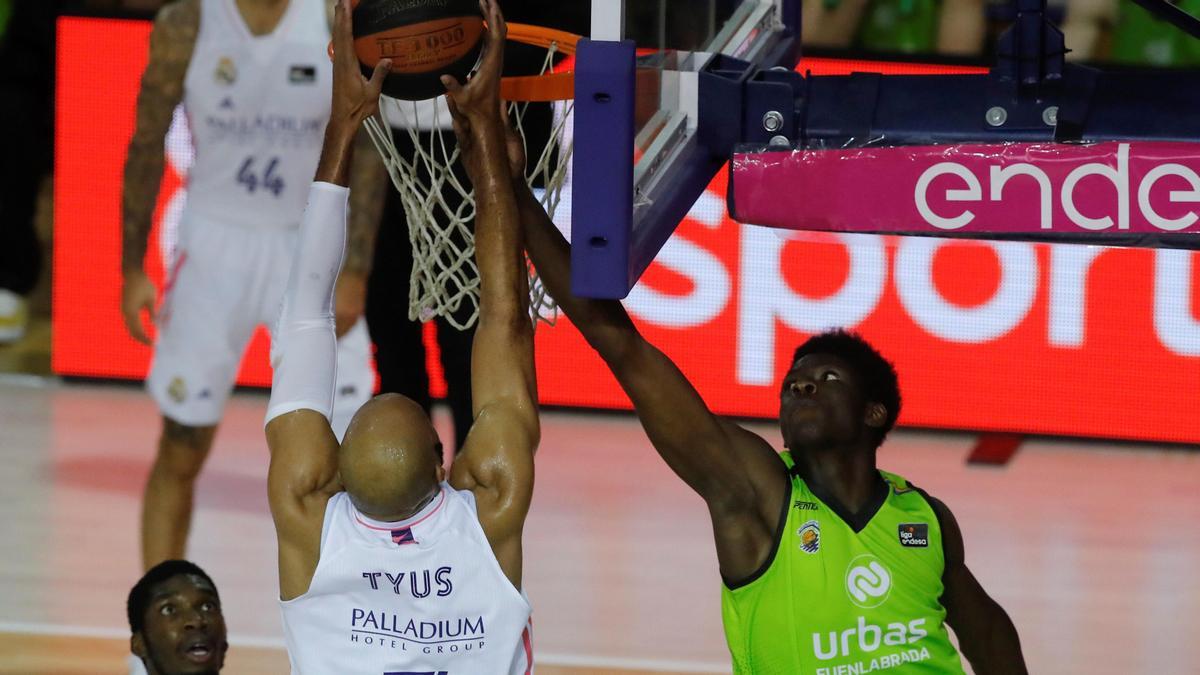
(445,279)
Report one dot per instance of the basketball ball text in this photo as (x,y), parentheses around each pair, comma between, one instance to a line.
(413,46)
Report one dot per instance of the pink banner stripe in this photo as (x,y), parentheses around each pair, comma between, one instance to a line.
(1075,191)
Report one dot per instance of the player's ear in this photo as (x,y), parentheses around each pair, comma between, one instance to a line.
(876,415)
(137,645)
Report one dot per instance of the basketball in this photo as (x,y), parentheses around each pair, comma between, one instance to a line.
(425,39)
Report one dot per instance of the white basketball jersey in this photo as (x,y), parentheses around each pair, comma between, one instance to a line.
(422,596)
(257,108)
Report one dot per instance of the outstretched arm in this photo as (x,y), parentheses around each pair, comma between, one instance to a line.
(496,463)
(986,635)
(171,43)
(738,474)
(303,471)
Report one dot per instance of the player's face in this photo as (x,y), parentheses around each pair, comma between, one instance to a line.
(185,631)
(820,403)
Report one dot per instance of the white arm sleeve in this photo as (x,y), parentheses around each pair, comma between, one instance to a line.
(304,345)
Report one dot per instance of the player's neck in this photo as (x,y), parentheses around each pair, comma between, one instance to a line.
(262,16)
(849,475)
(406,516)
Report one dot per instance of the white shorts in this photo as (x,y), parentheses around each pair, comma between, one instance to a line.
(225,282)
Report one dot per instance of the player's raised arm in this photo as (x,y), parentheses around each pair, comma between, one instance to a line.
(496,463)
(986,634)
(171,44)
(738,474)
(303,471)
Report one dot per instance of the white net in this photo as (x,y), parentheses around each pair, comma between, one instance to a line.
(439,204)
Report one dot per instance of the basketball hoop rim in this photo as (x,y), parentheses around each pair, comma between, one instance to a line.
(553,86)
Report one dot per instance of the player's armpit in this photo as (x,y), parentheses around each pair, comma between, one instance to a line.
(301,478)
(496,465)
(171,44)
(986,635)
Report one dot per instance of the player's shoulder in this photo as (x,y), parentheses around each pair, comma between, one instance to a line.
(179,17)
(951,535)
(917,497)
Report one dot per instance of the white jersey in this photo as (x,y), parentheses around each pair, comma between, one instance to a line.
(257,109)
(421,596)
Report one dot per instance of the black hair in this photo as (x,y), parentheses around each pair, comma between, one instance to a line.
(877,374)
(140,594)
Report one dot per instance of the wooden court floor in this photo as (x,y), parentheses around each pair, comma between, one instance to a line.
(1092,548)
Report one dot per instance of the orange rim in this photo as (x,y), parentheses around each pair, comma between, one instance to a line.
(556,86)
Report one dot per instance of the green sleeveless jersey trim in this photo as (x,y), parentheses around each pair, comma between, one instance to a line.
(838,598)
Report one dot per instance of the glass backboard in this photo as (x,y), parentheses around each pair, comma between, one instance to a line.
(651,90)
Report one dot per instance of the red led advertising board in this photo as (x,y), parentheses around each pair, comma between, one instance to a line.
(1033,338)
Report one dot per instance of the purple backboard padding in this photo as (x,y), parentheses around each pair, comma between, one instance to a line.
(602,168)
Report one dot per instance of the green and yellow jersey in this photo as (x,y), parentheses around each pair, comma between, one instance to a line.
(840,597)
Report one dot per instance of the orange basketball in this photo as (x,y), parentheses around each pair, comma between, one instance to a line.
(425,39)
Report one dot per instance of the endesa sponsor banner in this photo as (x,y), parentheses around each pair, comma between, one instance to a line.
(1082,193)
(1011,336)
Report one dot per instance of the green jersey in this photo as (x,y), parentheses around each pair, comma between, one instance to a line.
(841,598)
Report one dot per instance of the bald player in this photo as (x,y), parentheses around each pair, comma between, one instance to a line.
(384,565)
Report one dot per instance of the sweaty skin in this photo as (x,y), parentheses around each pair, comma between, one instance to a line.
(388,463)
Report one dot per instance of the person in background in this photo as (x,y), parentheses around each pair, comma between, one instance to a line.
(254,77)
(946,27)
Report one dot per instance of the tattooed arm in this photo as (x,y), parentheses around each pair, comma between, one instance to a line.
(171,43)
(368,187)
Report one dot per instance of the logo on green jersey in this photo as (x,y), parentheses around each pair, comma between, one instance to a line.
(914,535)
(868,582)
(810,536)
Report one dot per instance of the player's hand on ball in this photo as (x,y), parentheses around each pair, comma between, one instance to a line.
(137,294)
(355,98)
(476,100)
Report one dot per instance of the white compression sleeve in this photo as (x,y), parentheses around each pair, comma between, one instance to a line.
(304,348)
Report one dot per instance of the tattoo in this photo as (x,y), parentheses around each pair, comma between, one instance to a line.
(171,44)
(368,185)
(195,438)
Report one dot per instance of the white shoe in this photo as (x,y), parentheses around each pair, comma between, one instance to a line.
(14,315)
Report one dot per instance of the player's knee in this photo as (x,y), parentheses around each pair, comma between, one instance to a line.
(183,449)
